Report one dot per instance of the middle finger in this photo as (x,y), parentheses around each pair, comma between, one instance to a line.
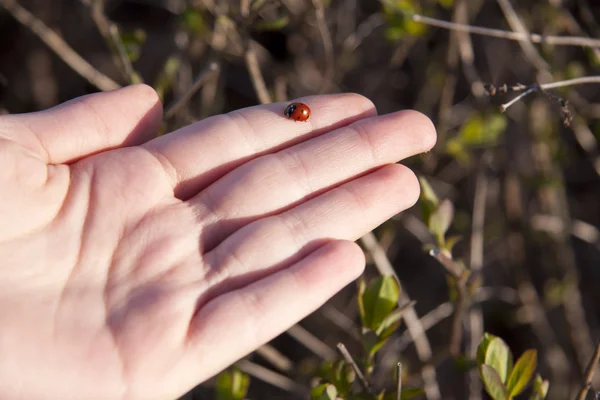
(275,182)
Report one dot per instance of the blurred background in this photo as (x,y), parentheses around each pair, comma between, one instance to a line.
(519,191)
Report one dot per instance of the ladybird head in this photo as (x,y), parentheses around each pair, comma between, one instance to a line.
(289,110)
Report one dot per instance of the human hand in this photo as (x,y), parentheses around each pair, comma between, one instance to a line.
(135,268)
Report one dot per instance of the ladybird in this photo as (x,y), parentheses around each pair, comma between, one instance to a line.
(297,112)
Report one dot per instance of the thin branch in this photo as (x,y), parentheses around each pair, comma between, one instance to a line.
(475,315)
(245,8)
(579,229)
(115,35)
(252,64)
(504,107)
(311,342)
(517,26)
(340,320)
(273,378)
(571,82)
(399,387)
(327,43)
(589,373)
(59,46)
(361,377)
(256,76)
(411,318)
(202,78)
(276,358)
(363,30)
(110,33)
(567,117)
(493,90)
(466,51)
(445,310)
(502,34)
(460,305)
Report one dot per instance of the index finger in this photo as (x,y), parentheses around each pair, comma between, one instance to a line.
(199,154)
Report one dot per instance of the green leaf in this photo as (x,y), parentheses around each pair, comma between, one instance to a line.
(477,131)
(409,393)
(540,387)
(193,20)
(522,372)
(440,219)
(325,391)
(471,132)
(136,78)
(342,376)
(465,364)
(392,320)
(256,4)
(167,76)
(494,352)
(492,382)
(272,24)
(456,149)
(446,3)
(428,200)
(499,357)
(451,241)
(378,300)
(482,348)
(399,23)
(232,385)
(133,42)
(362,287)
(382,339)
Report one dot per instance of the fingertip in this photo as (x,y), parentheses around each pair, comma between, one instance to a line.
(413,188)
(147,104)
(423,128)
(146,94)
(362,104)
(402,183)
(355,256)
(339,261)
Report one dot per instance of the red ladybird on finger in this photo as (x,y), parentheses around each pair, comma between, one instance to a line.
(297,112)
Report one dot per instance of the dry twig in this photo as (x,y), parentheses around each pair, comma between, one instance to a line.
(475,315)
(59,46)
(528,49)
(589,373)
(256,76)
(502,34)
(460,305)
(528,89)
(273,378)
(202,78)
(399,386)
(311,342)
(327,44)
(110,32)
(276,358)
(361,377)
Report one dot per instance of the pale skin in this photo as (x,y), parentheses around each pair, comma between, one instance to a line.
(135,267)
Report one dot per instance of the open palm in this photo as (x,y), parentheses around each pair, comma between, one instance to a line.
(135,268)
